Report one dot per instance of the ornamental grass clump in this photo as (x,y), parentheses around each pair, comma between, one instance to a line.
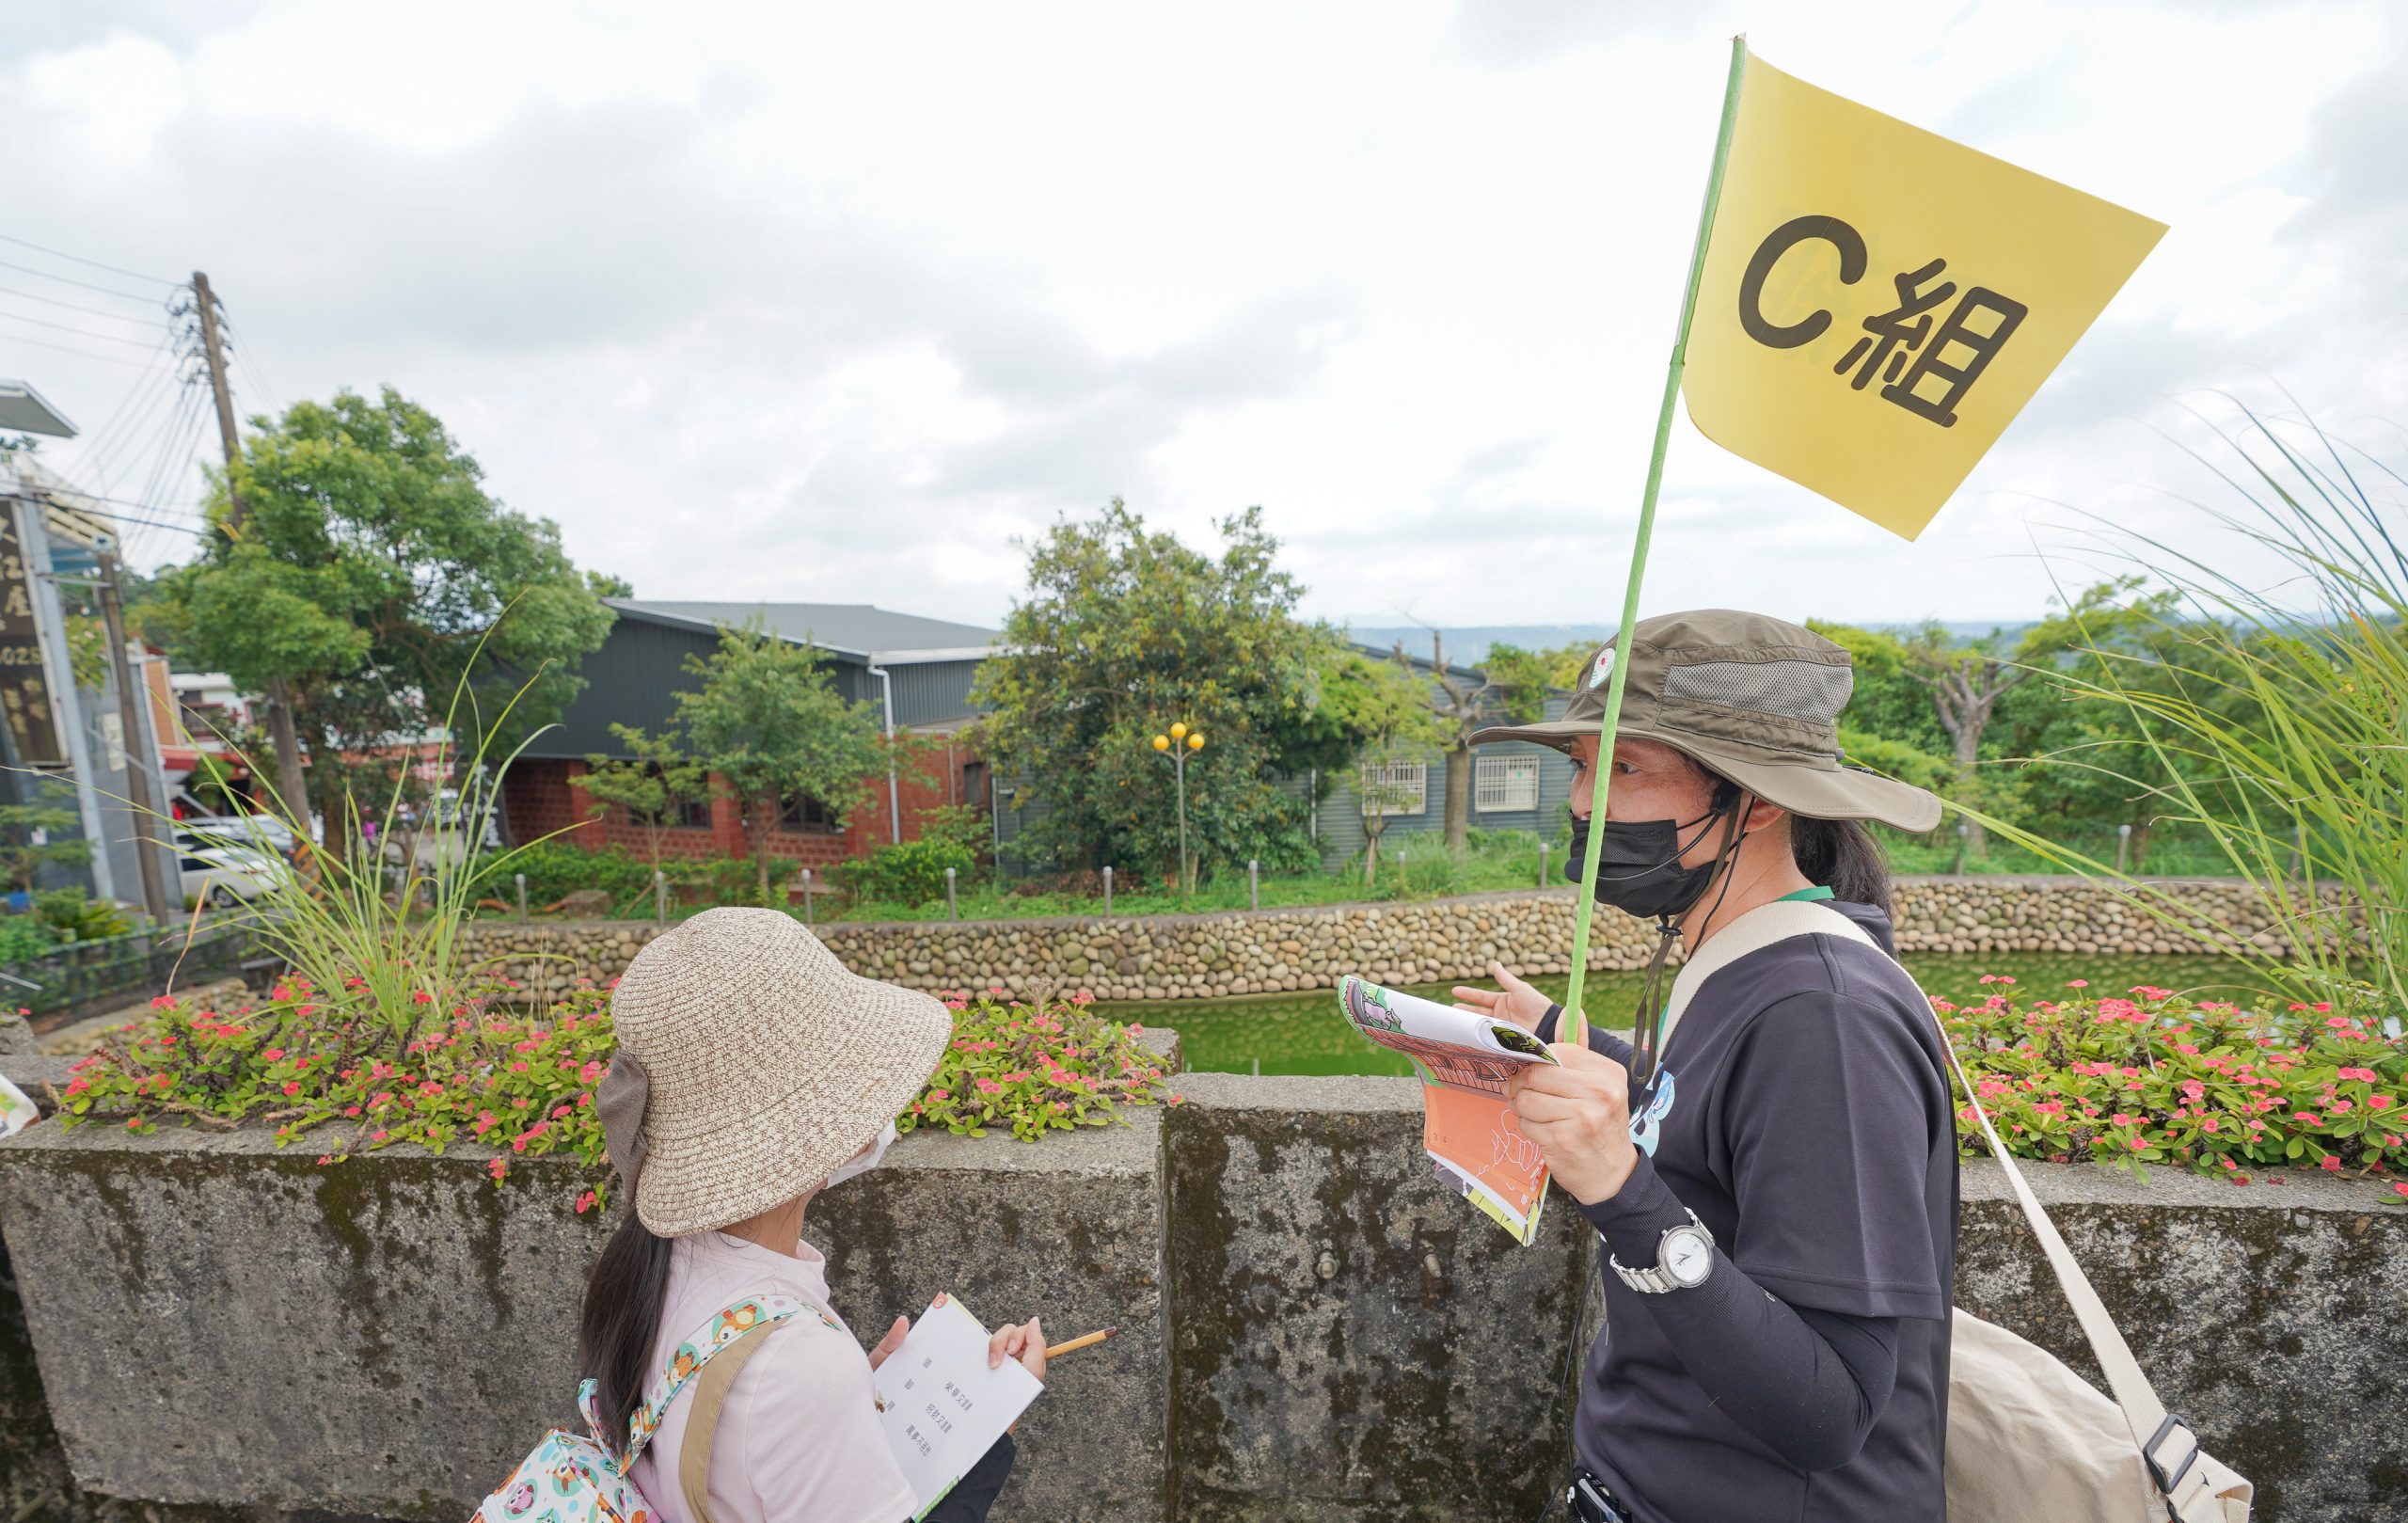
(2159,1077)
(1038,1066)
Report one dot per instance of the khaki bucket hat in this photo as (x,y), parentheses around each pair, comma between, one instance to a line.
(1749,698)
(759,1065)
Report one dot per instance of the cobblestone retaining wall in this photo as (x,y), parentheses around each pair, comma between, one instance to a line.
(1202,957)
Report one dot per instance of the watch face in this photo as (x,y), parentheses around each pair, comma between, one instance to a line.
(1687,1257)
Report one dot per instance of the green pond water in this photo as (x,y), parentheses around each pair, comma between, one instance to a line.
(1306,1034)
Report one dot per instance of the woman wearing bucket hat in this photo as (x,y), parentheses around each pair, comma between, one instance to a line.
(753,1072)
(1776,1193)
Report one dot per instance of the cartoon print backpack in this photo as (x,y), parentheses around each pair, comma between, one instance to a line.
(572,1478)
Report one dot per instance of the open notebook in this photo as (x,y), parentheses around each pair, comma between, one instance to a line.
(941,1406)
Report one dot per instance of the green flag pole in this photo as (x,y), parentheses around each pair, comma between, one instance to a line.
(1575,1027)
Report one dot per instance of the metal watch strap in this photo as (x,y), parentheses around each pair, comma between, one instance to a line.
(1655,1280)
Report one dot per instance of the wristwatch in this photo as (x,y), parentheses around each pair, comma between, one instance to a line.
(1684,1258)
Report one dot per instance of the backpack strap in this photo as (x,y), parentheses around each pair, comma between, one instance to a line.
(729,1326)
(701,1427)
(2166,1443)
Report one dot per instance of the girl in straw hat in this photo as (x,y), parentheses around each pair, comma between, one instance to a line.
(753,1071)
(1774,1180)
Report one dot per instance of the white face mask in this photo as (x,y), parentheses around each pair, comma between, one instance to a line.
(866,1159)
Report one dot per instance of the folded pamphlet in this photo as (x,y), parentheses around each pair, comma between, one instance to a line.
(1468,1129)
(941,1406)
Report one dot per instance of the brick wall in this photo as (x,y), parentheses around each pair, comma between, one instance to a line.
(542,795)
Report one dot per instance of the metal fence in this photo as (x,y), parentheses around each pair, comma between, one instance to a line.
(86,977)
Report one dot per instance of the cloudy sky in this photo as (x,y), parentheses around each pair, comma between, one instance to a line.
(819,302)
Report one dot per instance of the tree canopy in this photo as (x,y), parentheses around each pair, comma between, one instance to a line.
(1124,630)
(370,570)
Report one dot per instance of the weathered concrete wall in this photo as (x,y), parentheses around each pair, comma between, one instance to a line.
(1203,957)
(2274,1317)
(1312,1327)
(216,1322)
(1352,1340)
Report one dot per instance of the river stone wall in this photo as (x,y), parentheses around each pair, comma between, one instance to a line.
(1270,951)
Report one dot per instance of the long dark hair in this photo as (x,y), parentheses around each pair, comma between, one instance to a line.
(622,1318)
(1842,855)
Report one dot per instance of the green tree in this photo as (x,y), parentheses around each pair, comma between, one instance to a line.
(1121,632)
(370,575)
(26,847)
(1385,705)
(1524,678)
(769,722)
(653,783)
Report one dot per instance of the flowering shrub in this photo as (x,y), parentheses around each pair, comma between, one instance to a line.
(319,1064)
(1034,1067)
(320,1068)
(2157,1077)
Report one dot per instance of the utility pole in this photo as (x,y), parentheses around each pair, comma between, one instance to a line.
(292,783)
(146,809)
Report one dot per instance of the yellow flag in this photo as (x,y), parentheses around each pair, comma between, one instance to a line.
(1878,303)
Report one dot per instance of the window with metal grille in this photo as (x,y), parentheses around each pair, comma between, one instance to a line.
(1396,789)
(1505,783)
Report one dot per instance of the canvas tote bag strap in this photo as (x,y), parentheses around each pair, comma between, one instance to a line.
(702,1422)
(1755,930)
(2166,1442)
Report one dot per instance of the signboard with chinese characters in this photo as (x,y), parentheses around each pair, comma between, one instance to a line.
(24,681)
(1878,303)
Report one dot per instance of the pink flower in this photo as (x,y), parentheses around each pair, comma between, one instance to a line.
(376,1136)
(273,1053)
(325,1158)
(292,1089)
(2399,1189)
(497,1168)
(2366,1075)
(2077,983)
(2307,1118)
(989,1087)
(2332,1163)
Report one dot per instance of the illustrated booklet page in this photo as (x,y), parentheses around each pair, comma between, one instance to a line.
(941,1407)
(1468,1128)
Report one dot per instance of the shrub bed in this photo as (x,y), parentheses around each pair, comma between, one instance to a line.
(327,1072)
(2156,1077)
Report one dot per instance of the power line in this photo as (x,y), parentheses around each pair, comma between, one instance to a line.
(70,349)
(25,243)
(134,415)
(71,280)
(82,498)
(56,301)
(69,327)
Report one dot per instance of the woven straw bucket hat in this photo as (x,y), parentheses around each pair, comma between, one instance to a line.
(760,1064)
(1748,697)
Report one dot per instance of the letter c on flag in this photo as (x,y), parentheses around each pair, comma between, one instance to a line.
(1785,237)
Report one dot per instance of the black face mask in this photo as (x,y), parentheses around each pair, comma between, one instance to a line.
(1639,863)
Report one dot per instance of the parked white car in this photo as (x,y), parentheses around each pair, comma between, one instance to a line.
(266,832)
(223,874)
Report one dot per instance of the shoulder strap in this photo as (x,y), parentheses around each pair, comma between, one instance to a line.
(1755,930)
(727,1327)
(701,1425)
(2165,1442)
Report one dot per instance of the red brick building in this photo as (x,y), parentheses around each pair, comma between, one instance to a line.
(917,671)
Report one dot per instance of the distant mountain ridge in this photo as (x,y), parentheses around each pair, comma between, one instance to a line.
(1468,645)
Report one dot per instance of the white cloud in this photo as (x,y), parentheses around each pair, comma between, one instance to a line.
(833,302)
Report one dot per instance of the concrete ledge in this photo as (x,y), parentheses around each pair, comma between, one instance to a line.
(2274,1316)
(1353,1341)
(1312,1327)
(216,1322)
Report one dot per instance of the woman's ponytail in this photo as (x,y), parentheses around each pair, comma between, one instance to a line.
(1842,855)
(621,1320)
